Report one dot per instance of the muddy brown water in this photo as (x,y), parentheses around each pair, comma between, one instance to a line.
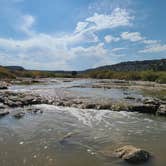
(64,136)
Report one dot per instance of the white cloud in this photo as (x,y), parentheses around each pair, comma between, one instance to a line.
(97,22)
(105,6)
(96,51)
(118,17)
(47,50)
(26,24)
(87,28)
(150,41)
(51,51)
(109,39)
(154,48)
(117,49)
(81,26)
(132,36)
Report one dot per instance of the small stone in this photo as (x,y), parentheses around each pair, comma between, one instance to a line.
(34,156)
(19,115)
(21,143)
(45,147)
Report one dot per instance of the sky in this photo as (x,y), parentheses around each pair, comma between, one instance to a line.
(80,34)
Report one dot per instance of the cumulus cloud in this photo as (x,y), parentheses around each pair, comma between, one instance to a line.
(47,50)
(44,49)
(132,36)
(154,48)
(26,24)
(109,39)
(87,28)
(97,50)
(81,26)
(118,17)
(151,46)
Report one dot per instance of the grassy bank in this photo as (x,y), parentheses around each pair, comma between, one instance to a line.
(157,76)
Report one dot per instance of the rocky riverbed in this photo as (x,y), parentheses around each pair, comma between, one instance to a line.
(87,94)
(83,115)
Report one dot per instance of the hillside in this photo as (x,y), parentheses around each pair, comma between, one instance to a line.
(14,68)
(155,65)
(149,70)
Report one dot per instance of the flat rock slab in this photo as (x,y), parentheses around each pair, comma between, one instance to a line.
(13,99)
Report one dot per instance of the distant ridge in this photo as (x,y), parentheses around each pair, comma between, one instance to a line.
(14,67)
(156,65)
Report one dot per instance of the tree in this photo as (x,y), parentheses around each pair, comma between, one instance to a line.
(74,73)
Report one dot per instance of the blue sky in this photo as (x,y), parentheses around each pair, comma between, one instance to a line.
(80,34)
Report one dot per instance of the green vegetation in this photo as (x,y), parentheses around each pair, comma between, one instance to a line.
(160,94)
(10,74)
(5,73)
(157,76)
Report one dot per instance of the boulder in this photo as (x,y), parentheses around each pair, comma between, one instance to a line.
(144,108)
(3,85)
(19,115)
(89,106)
(2,106)
(161,110)
(151,101)
(132,154)
(3,113)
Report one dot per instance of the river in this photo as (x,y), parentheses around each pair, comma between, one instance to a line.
(66,136)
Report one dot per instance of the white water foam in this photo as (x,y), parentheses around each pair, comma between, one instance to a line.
(88,117)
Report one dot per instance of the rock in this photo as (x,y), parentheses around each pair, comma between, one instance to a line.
(144,108)
(130,98)
(19,115)
(161,110)
(151,101)
(2,106)
(3,113)
(119,106)
(103,106)
(89,106)
(132,154)
(3,85)
(13,99)
(66,137)
(35,110)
